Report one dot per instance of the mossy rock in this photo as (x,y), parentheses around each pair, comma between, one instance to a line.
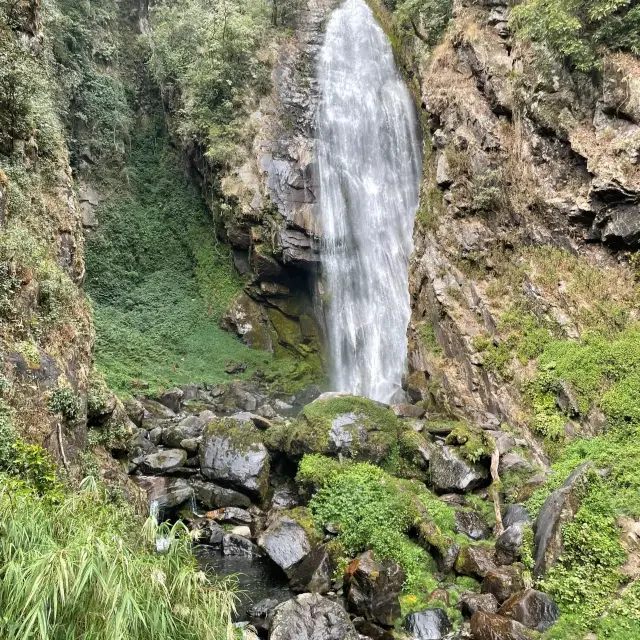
(350,426)
(472,441)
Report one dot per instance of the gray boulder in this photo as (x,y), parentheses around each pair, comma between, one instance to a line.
(491,626)
(532,608)
(191,427)
(314,573)
(172,399)
(509,543)
(430,624)
(233,453)
(450,473)
(165,493)
(285,542)
(231,515)
(513,514)
(311,617)
(213,496)
(285,497)
(237,545)
(163,461)
(472,525)
(559,509)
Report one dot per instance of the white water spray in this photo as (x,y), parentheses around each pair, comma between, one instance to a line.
(369,160)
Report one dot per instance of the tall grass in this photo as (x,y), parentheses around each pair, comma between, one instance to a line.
(82,568)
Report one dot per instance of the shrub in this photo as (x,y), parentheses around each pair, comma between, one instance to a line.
(580,29)
(80,568)
(64,402)
(428,19)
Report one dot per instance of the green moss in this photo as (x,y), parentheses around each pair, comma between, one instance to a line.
(472,441)
(310,433)
(303,517)
(244,435)
(427,334)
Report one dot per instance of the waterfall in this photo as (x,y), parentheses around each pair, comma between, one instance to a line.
(369,163)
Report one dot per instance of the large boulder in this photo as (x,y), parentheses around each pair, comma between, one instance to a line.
(163,461)
(165,493)
(450,473)
(532,608)
(475,561)
(314,573)
(559,508)
(491,626)
(191,427)
(213,496)
(232,453)
(172,399)
(234,544)
(471,603)
(286,542)
(515,513)
(472,525)
(503,582)
(311,617)
(509,543)
(430,624)
(344,425)
(372,588)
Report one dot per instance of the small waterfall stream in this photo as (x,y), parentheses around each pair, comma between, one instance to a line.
(369,161)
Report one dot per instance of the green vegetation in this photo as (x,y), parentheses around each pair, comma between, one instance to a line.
(210,73)
(581,30)
(158,278)
(428,19)
(64,402)
(374,510)
(80,567)
(472,441)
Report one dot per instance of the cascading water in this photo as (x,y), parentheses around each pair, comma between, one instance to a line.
(369,161)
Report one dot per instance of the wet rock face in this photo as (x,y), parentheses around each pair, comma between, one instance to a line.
(285,542)
(515,513)
(311,617)
(166,493)
(490,626)
(503,582)
(232,453)
(234,544)
(314,573)
(474,602)
(532,608)
(559,508)
(450,473)
(472,525)
(373,588)
(509,543)
(430,624)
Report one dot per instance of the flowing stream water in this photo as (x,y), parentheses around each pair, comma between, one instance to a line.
(369,161)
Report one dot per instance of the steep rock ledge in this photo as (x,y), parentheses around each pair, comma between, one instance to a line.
(522,163)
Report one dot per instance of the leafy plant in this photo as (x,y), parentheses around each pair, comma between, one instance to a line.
(64,402)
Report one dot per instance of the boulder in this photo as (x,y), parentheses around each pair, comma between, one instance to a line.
(559,508)
(172,399)
(314,573)
(213,496)
(472,525)
(165,493)
(311,617)
(344,425)
(450,473)
(430,624)
(231,515)
(511,462)
(233,453)
(135,411)
(475,561)
(155,436)
(191,427)
(405,410)
(237,545)
(509,543)
(513,514)
(163,461)
(531,608)
(503,582)
(286,542)
(285,497)
(372,589)
(208,532)
(470,603)
(370,631)
(140,445)
(491,626)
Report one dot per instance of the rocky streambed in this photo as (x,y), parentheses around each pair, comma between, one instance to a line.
(226,460)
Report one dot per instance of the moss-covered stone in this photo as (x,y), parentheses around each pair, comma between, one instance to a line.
(355,427)
(472,441)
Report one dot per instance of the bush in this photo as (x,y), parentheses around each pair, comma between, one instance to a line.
(81,569)
(428,19)
(581,30)
(65,403)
